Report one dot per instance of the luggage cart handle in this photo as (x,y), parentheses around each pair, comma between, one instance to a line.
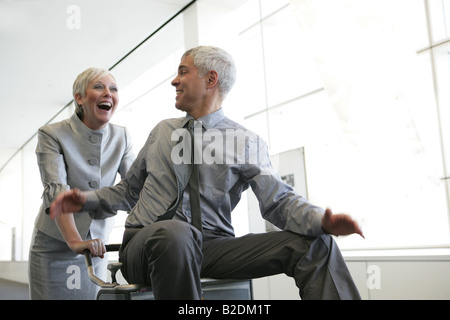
(90,267)
(112,247)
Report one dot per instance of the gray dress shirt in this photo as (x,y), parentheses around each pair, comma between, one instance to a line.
(70,155)
(234,159)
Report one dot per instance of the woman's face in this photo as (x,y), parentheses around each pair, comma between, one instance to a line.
(99,103)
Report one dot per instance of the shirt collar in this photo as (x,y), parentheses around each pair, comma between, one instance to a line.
(209,121)
(86,133)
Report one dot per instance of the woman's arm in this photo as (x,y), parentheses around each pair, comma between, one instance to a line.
(69,231)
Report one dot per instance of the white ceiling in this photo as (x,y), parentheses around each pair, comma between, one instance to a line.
(40,56)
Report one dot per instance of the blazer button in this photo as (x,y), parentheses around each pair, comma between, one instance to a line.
(93,184)
(93,162)
(94,139)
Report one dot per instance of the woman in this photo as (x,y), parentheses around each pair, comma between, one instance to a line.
(85,152)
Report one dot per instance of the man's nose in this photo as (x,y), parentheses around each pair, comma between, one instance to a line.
(175,81)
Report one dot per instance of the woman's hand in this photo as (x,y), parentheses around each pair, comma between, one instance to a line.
(95,247)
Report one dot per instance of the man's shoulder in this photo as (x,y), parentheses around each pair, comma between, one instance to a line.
(230,124)
(165,128)
(171,123)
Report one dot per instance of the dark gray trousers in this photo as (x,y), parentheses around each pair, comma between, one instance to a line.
(172,256)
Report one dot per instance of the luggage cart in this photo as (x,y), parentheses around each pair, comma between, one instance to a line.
(212,289)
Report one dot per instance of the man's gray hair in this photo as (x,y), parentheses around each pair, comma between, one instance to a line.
(207,58)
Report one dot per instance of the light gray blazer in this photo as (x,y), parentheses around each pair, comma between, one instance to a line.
(70,155)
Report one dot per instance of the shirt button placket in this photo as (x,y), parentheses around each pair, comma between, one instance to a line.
(93,162)
(94,139)
(94,184)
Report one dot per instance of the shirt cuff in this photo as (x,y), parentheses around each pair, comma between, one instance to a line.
(92,201)
(316,224)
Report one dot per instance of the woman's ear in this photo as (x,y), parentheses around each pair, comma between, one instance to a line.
(78,99)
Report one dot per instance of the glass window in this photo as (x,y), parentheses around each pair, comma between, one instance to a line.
(290,70)
(32,189)
(441,55)
(250,81)
(268,7)
(11,213)
(439,11)
(361,102)
(304,122)
(248,14)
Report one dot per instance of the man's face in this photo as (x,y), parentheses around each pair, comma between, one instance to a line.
(190,86)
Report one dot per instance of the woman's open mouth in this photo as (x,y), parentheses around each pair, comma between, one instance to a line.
(105,106)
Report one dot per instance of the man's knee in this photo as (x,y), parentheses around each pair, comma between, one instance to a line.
(175,238)
(325,240)
(321,247)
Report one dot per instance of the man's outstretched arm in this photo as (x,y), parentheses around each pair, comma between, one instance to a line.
(340,224)
(67,202)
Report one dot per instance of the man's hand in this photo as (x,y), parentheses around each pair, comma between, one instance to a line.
(67,202)
(340,224)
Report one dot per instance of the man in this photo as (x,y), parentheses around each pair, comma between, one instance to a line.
(162,248)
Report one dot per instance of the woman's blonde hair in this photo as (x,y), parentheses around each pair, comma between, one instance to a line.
(81,83)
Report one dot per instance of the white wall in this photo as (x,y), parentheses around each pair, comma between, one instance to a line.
(402,276)
(14,271)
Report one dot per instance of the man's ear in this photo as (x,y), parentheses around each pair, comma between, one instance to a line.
(213,78)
